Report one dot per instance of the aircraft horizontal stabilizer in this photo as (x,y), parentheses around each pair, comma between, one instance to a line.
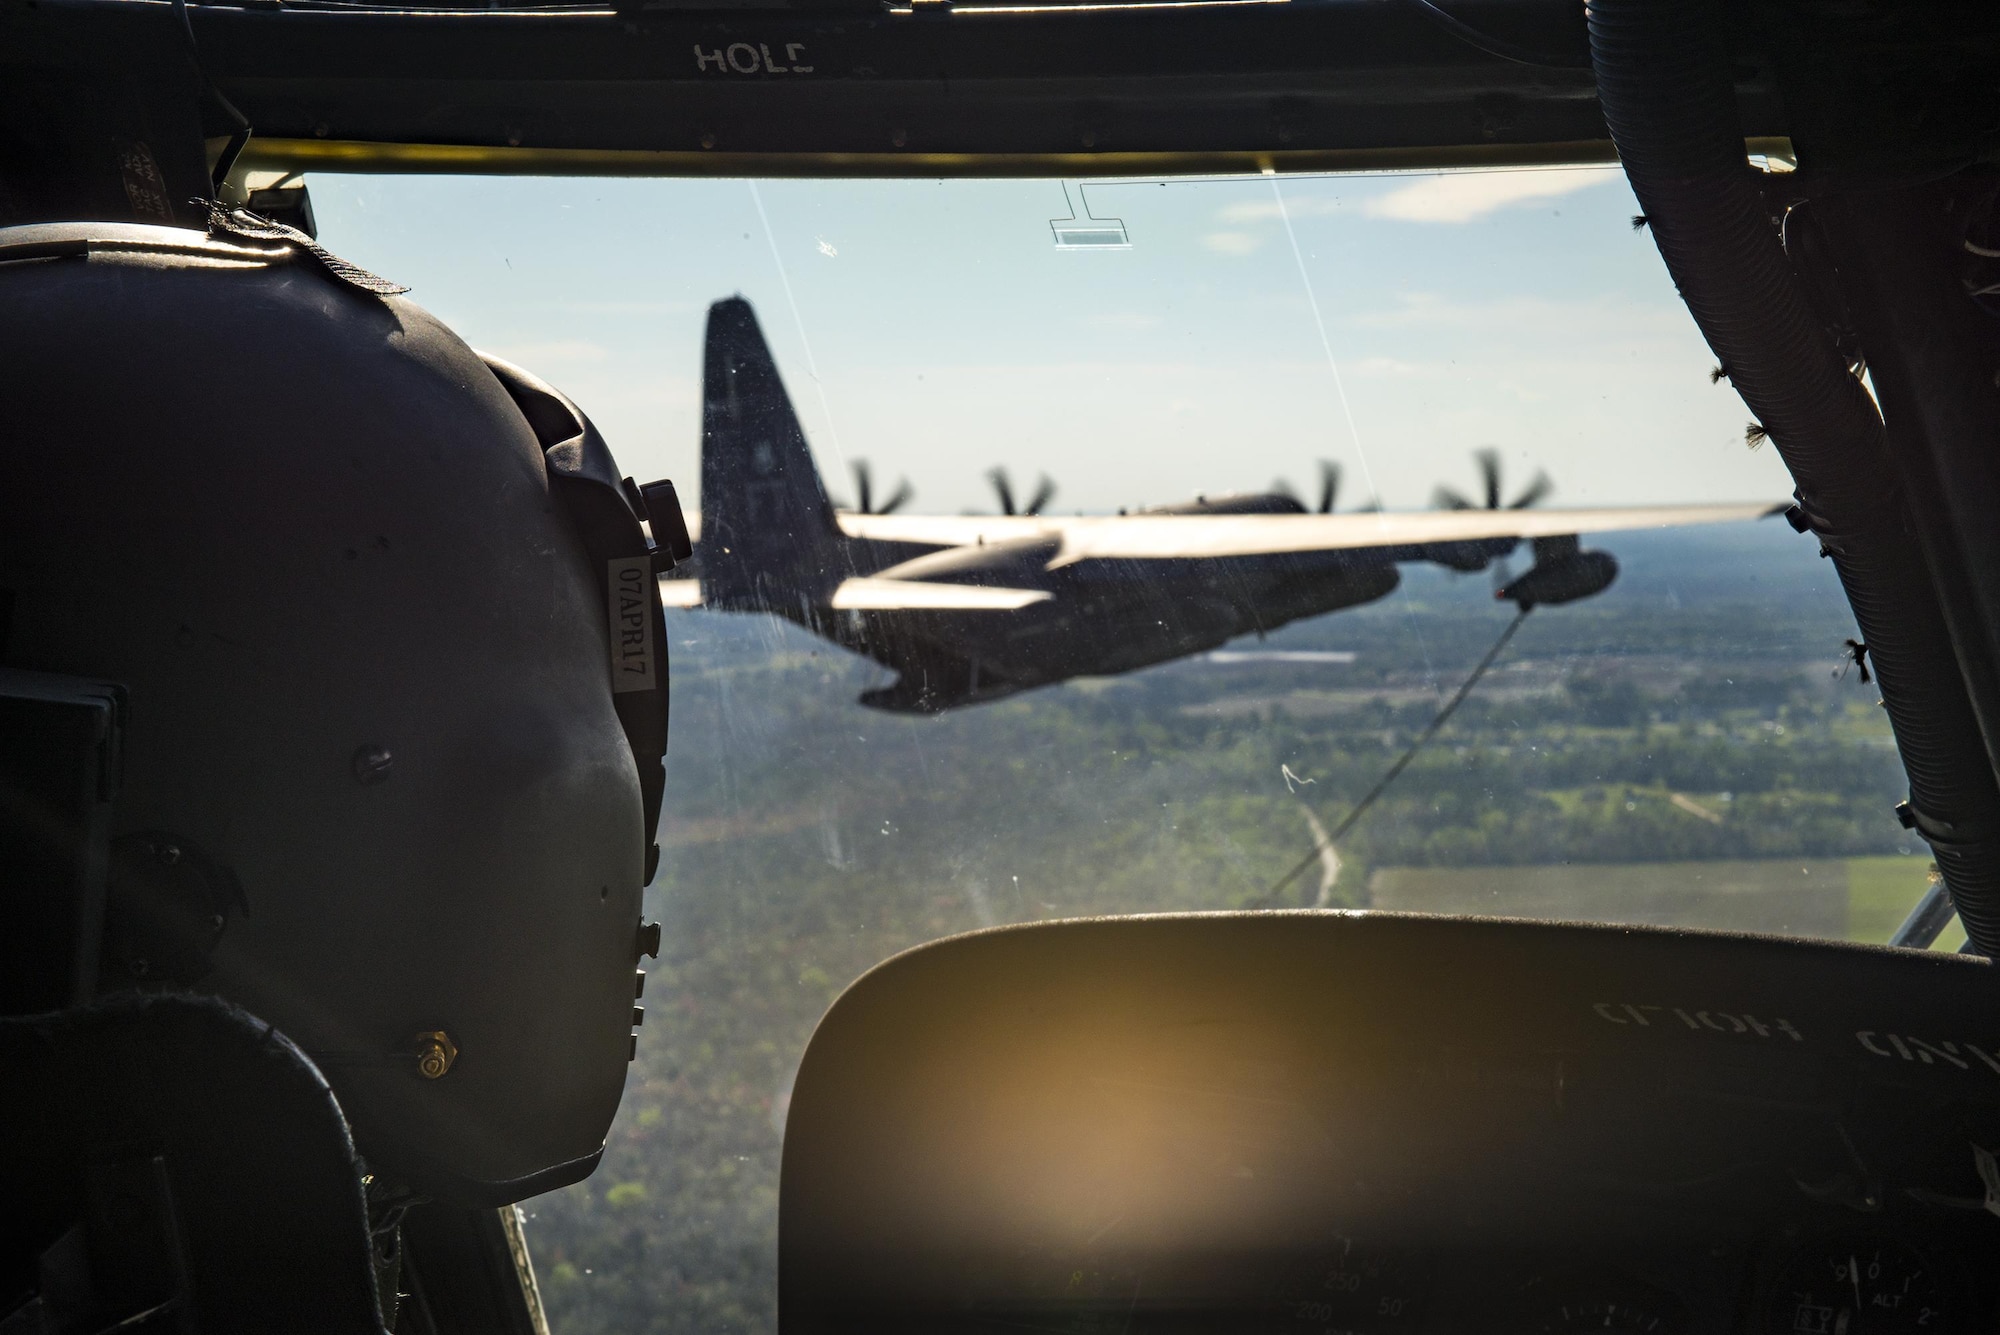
(889,595)
(680,593)
(1182,537)
(900,595)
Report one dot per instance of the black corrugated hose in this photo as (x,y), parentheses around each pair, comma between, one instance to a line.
(1663,79)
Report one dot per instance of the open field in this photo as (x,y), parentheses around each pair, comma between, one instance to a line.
(1682,750)
(1851,899)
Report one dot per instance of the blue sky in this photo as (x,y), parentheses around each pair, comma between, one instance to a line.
(935,329)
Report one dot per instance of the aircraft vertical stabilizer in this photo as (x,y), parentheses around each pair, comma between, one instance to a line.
(768,533)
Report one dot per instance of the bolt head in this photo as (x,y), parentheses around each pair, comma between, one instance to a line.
(435,1054)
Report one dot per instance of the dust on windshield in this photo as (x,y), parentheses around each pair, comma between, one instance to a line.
(1693,745)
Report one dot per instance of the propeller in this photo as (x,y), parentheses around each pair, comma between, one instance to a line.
(1537,490)
(1003,488)
(864,492)
(1329,490)
(1329,487)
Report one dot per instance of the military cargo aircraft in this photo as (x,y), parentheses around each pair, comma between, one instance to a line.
(410,755)
(969,608)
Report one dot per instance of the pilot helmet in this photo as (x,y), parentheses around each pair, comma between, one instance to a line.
(385,619)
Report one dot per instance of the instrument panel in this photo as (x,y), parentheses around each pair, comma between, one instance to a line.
(1362,1124)
(1839,1280)
(1845,1280)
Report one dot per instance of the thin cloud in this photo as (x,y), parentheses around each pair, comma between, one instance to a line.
(1128,322)
(1564,322)
(1385,366)
(555,350)
(1232,243)
(1464,197)
(1266,210)
(617,307)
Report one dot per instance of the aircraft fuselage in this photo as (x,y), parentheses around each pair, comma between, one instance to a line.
(1101,617)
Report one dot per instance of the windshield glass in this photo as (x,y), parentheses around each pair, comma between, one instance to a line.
(1693,745)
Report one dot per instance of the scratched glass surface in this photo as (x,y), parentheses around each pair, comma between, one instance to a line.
(1689,746)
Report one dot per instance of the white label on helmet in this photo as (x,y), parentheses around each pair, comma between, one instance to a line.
(632,594)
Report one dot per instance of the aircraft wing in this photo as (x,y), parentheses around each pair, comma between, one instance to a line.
(680,593)
(949,530)
(889,595)
(1159,537)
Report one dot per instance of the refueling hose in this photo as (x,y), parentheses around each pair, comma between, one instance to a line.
(1664,81)
(1359,809)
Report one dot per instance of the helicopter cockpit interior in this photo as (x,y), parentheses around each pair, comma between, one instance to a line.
(1068,906)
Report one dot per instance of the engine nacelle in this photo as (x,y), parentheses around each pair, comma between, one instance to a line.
(1562,573)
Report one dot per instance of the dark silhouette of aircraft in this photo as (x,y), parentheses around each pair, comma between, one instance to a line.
(968,608)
